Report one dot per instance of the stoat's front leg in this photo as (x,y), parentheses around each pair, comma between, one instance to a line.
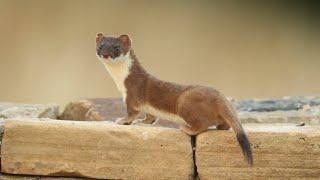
(149,119)
(132,114)
(127,120)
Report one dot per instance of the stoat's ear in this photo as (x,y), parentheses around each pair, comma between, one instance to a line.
(126,41)
(99,37)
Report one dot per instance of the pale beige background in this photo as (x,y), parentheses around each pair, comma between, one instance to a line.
(246,50)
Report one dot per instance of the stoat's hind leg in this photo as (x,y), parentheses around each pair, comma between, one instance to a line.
(195,123)
(192,130)
(131,116)
(223,126)
(196,119)
(149,119)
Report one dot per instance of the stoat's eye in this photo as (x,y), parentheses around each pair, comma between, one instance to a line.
(117,48)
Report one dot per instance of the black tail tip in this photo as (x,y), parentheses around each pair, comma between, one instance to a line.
(250,161)
(245,147)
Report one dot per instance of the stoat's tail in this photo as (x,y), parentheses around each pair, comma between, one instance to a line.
(230,116)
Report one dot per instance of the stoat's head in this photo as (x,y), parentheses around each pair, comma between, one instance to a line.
(112,48)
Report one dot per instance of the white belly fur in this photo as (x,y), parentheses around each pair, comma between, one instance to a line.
(161,114)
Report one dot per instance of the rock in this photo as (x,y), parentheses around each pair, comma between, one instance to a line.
(95,150)
(10,110)
(280,151)
(94,110)
(103,110)
(2,121)
(311,117)
(284,104)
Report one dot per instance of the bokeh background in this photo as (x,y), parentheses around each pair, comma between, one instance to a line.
(244,48)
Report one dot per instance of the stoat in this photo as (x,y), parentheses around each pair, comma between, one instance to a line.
(198,107)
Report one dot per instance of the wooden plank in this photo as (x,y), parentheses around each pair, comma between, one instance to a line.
(279,151)
(95,150)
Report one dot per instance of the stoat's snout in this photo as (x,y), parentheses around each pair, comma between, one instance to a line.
(106,56)
(102,53)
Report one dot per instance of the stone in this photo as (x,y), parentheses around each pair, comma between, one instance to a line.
(283,104)
(11,110)
(98,109)
(104,109)
(311,117)
(280,151)
(95,149)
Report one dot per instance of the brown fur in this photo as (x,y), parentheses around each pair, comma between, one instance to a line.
(199,106)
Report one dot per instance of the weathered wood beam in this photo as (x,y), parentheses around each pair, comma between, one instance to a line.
(280,151)
(95,150)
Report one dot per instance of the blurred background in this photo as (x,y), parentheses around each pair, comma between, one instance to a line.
(244,48)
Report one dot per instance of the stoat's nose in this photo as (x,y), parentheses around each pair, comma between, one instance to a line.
(106,56)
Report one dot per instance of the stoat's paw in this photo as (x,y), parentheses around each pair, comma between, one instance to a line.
(122,121)
(138,122)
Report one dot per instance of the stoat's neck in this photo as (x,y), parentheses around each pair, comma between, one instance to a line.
(120,68)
